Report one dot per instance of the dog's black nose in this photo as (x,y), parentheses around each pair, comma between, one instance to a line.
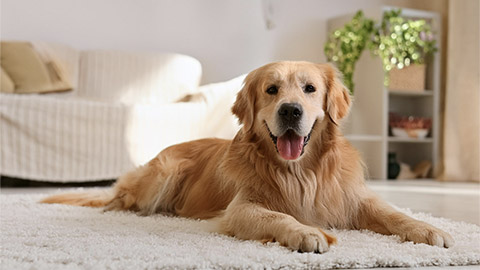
(290,112)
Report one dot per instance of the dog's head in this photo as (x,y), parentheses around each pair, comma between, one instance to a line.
(285,100)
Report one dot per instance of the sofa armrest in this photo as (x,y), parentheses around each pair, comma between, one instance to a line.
(219,99)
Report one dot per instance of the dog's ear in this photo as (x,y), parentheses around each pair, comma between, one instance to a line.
(244,106)
(337,98)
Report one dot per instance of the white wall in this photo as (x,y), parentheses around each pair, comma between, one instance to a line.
(229,37)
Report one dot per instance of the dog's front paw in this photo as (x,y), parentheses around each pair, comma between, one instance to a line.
(306,239)
(427,234)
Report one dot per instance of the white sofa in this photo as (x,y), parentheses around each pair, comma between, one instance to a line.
(124,108)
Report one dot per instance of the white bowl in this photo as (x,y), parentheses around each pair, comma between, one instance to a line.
(418,133)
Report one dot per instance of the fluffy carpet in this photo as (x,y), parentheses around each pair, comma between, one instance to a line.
(38,236)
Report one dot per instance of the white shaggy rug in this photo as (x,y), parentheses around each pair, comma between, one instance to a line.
(39,236)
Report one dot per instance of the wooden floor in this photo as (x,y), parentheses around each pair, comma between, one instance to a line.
(456,201)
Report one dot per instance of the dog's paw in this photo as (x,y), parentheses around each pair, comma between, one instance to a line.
(427,234)
(306,239)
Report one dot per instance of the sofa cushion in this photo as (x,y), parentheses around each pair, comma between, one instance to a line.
(7,85)
(62,61)
(24,67)
(29,71)
(219,98)
(133,78)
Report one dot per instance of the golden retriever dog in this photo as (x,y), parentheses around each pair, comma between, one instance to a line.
(286,176)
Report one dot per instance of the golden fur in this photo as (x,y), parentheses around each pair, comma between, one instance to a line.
(248,190)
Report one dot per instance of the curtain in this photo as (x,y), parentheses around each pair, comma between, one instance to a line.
(461,141)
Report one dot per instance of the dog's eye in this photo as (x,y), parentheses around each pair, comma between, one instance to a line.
(309,88)
(272,90)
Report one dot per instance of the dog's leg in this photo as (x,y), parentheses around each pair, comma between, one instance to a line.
(378,216)
(247,220)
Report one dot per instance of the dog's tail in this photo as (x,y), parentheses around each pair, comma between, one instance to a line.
(94,198)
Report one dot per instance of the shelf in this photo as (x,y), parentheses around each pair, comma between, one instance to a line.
(364,137)
(425,93)
(367,126)
(410,140)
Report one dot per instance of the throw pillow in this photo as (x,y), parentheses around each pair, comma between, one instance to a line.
(7,85)
(28,71)
(24,67)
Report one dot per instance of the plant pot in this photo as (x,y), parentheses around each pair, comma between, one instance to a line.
(411,78)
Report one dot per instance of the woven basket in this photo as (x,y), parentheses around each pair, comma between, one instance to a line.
(411,78)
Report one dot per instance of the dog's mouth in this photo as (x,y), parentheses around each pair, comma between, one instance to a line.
(290,145)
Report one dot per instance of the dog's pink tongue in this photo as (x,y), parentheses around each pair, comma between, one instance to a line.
(290,145)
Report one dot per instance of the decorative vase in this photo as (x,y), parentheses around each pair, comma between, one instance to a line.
(411,78)
(393,166)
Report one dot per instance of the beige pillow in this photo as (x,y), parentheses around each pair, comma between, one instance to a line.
(56,58)
(7,85)
(24,66)
(57,77)
(27,70)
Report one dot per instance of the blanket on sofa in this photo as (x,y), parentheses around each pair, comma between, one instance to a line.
(65,139)
(73,139)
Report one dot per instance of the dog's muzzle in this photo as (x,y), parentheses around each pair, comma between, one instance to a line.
(290,145)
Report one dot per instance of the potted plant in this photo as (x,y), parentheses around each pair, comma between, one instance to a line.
(402,44)
(345,45)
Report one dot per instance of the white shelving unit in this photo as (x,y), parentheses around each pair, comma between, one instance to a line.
(367,125)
